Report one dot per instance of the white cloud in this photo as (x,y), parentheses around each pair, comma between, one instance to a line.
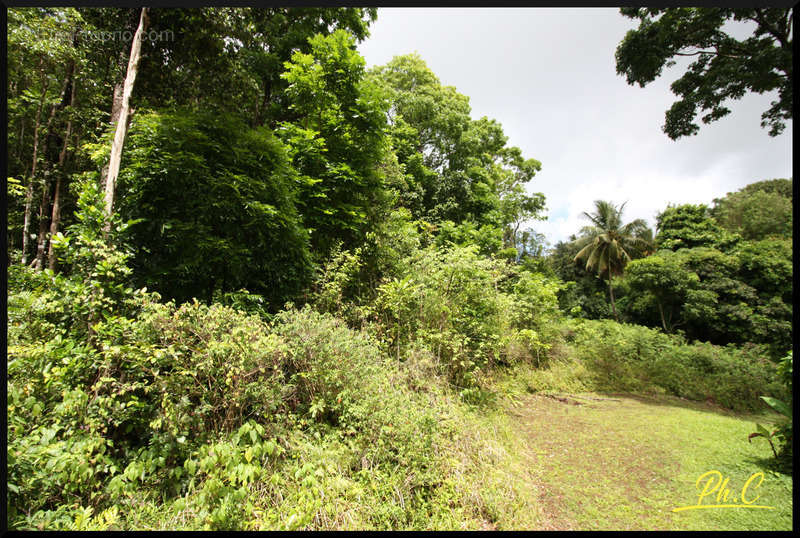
(548,76)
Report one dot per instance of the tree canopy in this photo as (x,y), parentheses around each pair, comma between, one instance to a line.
(216,208)
(608,245)
(457,168)
(725,67)
(758,210)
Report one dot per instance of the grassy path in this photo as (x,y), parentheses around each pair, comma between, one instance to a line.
(603,462)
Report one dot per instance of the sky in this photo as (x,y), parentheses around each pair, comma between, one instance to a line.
(549,77)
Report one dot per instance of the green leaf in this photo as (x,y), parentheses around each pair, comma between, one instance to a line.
(763,431)
(778,406)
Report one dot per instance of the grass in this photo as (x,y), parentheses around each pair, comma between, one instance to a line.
(571,460)
(603,462)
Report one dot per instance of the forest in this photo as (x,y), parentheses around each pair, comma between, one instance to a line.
(254,284)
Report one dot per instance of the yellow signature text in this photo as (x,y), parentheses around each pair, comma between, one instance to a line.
(714,482)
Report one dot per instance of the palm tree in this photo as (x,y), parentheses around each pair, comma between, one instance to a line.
(608,245)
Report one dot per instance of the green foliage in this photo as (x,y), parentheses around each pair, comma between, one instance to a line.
(631,358)
(608,245)
(757,211)
(725,67)
(738,297)
(662,281)
(783,432)
(488,238)
(742,292)
(226,59)
(206,417)
(471,312)
(260,147)
(690,226)
(447,301)
(583,295)
(767,266)
(337,139)
(389,245)
(237,229)
(456,169)
(338,274)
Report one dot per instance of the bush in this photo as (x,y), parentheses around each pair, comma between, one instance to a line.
(472,312)
(625,357)
(195,408)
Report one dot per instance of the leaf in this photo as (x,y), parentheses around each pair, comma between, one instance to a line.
(778,406)
(762,432)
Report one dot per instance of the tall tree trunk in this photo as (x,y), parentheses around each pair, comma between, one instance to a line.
(116,107)
(122,123)
(663,321)
(116,99)
(29,188)
(55,218)
(44,206)
(261,111)
(21,143)
(611,293)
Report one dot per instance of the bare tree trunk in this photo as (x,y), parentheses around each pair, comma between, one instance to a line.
(663,321)
(29,189)
(122,123)
(611,293)
(21,143)
(55,218)
(44,206)
(116,107)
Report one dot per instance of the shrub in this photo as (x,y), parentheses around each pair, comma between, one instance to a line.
(625,357)
(472,312)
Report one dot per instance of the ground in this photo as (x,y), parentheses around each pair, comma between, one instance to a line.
(610,461)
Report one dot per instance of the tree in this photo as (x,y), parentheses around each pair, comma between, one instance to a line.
(122,122)
(232,59)
(609,245)
(757,211)
(457,169)
(767,266)
(690,226)
(40,57)
(662,280)
(337,140)
(215,201)
(585,294)
(726,68)
(740,313)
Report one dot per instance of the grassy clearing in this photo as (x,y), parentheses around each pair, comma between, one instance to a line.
(602,462)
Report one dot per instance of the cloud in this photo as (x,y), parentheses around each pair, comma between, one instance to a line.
(549,77)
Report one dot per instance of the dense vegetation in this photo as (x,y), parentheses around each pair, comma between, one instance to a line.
(294,308)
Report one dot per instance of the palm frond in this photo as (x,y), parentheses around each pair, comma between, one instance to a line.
(609,245)
(584,252)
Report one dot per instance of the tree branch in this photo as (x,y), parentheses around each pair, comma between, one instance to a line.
(714,52)
(780,36)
